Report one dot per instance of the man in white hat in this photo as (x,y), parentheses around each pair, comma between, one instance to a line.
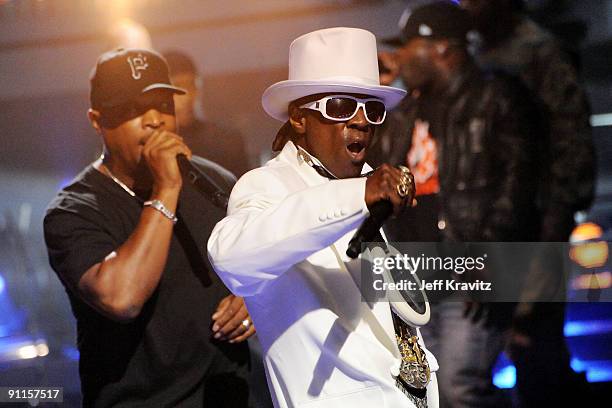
(282,245)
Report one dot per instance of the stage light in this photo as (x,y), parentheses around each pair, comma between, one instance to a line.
(27,352)
(42,349)
(586,250)
(587,328)
(590,255)
(505,378)
(585,232)
(118,8)
(128,33)
(603,374)
(601,280)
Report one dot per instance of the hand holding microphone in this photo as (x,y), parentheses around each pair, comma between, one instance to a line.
(393,184)
(388,190)
(168,159)
(160,152)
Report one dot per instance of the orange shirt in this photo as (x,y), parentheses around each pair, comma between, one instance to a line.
(422,160)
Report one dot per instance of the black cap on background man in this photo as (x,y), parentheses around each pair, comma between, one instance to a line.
(438,20)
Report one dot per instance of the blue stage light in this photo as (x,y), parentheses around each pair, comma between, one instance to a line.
(505,378)
(587,327)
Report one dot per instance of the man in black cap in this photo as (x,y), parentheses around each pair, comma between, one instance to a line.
(469,140)
(127,239)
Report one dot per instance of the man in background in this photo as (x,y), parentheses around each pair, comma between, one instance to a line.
(220,144)
(513,43)
(470,139)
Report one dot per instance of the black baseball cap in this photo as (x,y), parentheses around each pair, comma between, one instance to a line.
(121,75)
(438,20)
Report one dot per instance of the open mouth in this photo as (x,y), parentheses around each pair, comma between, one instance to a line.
(356,150)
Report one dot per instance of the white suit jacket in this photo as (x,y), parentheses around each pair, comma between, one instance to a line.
(282,246)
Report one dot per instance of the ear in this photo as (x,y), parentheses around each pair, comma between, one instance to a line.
(94,118)
(297,119)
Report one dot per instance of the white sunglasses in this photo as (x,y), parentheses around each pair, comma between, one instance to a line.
(340,108)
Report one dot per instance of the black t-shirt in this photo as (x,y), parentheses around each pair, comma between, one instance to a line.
(166,356)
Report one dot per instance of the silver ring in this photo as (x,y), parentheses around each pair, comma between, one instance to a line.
(246,323)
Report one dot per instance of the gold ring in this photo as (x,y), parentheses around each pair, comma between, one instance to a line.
(406,186)
(403,189)
(246,323)
(405,170)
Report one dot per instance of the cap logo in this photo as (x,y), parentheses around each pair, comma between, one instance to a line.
(137,64)
(425,30)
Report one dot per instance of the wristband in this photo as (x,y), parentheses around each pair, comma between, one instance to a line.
(159,206)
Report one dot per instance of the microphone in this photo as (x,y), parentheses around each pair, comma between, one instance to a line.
(370,227)
(202,182)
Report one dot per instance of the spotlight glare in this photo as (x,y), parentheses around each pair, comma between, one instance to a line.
(27,352)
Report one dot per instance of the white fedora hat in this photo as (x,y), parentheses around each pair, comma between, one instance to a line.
(339,60)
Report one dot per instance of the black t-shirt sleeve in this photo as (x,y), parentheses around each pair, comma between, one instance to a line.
(75,242)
